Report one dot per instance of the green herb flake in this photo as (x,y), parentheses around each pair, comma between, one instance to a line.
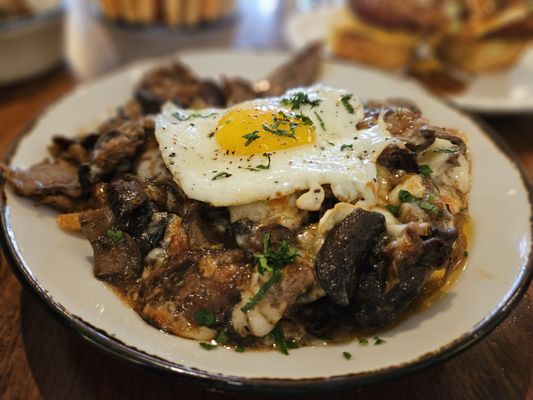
(271,260)
(406,197)
(220,175)
(276,130)
(320,121)
(305,119)
(345,100)
(425,171)
(239,349)
(222,337)
(378,341)
(298,99)
(204,317)
(261,166)
(444,150)
(363,341)
(346,146)
(250,137)
(207,346)
(182,117)
(180,283)
(116,236)
(347,355)
(282,344)
(394,210)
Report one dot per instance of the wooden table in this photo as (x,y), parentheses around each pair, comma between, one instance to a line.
(41,358)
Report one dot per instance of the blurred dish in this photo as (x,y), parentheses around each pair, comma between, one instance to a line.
(30,39)
(506,91)
(497,274)
(173,13)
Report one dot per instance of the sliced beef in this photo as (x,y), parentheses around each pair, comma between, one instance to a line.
(205,225)
(302,70)
(249,236)
(117,257)
(52,183)
(210,280)
(410,128)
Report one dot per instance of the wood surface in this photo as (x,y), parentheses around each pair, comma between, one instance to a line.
(40,358)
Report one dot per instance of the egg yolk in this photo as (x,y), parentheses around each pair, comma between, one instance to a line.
(255,131)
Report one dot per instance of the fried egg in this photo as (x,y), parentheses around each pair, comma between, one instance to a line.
(270,148)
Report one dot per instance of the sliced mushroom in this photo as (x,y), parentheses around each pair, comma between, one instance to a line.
(346,247)
(396,158)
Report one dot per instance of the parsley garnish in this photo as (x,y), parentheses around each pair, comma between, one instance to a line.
(261,166)
(378,340)
(250,137)
(222,337)
(208,346)
(276,130)
(345,100)
(363,341)
(298,99)
(271,260)
(406,197)
(425,171)
(204,317)
(180,283)
(394,210)
(116,236)
(305,119)
(220,175)
(181,117)
(282,344)
(346,146)
(320,121)
(346,355)
(444,150)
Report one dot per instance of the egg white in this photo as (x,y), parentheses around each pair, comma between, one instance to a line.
(341,156)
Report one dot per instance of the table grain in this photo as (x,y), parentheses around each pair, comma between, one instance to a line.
(40,358)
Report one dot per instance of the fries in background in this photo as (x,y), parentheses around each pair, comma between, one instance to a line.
(173,13)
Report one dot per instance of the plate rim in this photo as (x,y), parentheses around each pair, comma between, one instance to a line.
(121,351)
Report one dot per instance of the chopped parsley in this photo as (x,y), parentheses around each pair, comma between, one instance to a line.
(299,99)
(363,341)
(116,236)
(282,344)
(261,166)
(394,210)
(220,175)
(320,121)
(180,283)
(181,117)
(345,100)
(305,119)
(222,337)
(207,346)
(425,171)
(406,197)
(444,150)
(271,260)
(378,340)
(250,137)
(346,146)
(276,128)
(347,355)
(204,317)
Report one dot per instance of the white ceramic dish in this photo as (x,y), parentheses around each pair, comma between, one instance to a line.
(30,45)
(58,266)
(509,91)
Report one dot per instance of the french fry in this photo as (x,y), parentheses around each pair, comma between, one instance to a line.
(69,222)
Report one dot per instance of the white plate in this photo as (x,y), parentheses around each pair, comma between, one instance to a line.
(58,266)
(509,91)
